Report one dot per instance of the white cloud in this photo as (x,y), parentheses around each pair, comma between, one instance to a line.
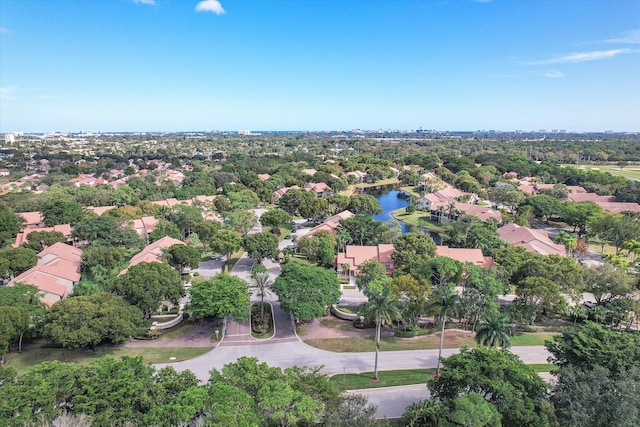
(574,58)
(553,74)
(4,30)
(7,93)
(151,2)
(631,37)
(213,6)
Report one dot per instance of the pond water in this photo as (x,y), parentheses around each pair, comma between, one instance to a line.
(389,202)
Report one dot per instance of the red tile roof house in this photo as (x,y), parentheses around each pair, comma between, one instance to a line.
(144,226)
(537,241)
(331,224)
(281,192)
(152,252)
(23,236)
(320,189)
(32,219)
(355,256)
(55,274)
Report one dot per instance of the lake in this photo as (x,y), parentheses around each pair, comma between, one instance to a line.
(390,202)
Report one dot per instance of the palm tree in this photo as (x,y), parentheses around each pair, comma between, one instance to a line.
(346,267)
(493,330)
(383,310)
(445,301)
(569,241)
(261,286)
(632,247)
(343,238)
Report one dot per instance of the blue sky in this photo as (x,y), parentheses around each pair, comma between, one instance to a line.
(174,65)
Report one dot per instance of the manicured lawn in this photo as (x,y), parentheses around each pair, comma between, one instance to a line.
(386,378)
(333,323)
(410,189)
(417,219)
(178,331)
(402,377)
(631,171)
(537,338)
(453,339)
(22,361)
(388,181)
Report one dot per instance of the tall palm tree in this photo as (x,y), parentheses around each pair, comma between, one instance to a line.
(444,303)
(382,309)
(262,283)
(343,238)
(493,330)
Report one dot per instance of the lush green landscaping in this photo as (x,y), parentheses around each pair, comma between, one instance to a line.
(22,361)
(631,171)
(416,219)
(537,338)
(178,331)
(402,377)
(452,339)
(386,378)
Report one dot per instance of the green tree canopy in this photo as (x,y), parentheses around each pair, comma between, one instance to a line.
(18,260)
(87,321)
(62,211)
(276,218)
(104,256)
(164,228)
(306,291)
(364,204)
(10,224)
(226,242)
(182,256)
(593,397)
(147,284)
(501,378)
(593,345)
(38,240)
(205,231)
(219,296)
(411,246)
(260,246)
(364,230)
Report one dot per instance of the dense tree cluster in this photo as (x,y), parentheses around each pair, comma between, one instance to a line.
(115,392)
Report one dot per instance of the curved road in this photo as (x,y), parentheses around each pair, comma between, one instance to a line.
(285,349)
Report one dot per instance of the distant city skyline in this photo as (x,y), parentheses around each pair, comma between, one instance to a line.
(322,65)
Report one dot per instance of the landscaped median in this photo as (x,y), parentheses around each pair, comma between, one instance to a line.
(402,377)
(453,339)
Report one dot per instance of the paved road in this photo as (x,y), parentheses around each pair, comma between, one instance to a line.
(392,401)
(285,349)
(290,353)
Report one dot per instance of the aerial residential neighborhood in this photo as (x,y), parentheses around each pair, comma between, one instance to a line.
(234,252)
(319,213)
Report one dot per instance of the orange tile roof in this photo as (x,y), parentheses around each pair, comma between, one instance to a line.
(22,237)
(462,255)
(153,251)
(32,219)
(532,240)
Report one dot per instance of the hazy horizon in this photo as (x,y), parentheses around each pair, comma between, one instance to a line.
(465,65)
